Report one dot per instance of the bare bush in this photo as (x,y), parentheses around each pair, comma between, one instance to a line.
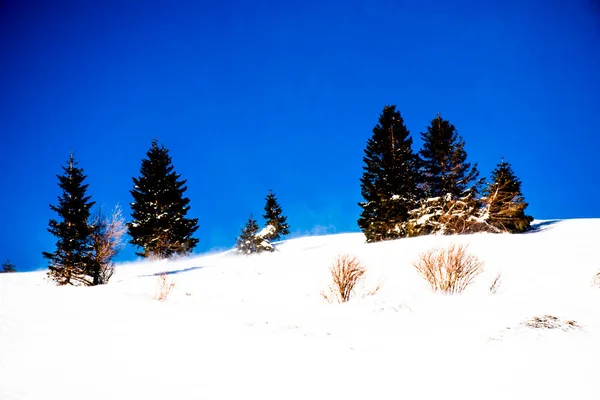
(448,270)
(346,272)
(449,216)
(107,240)
(165,286)
(496,283)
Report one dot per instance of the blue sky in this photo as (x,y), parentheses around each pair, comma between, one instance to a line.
(252,96)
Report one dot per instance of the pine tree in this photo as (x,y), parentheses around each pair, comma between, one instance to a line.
(247,242)
(273,217)
(505,202)
(72,261)
(389,181)
(8,267)
(160,226)
(444,168)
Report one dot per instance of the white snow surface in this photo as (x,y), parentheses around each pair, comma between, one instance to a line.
(256,327)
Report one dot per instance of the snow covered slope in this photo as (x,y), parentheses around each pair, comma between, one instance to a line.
(257,327)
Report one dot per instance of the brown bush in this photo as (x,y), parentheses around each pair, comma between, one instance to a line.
(448,270)
(165,285)
(346,272)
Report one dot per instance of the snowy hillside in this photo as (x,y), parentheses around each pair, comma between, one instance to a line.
(257,327)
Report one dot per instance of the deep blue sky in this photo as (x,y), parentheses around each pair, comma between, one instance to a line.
(255,95)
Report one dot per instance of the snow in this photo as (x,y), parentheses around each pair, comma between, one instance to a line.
(257,327)
(266,231)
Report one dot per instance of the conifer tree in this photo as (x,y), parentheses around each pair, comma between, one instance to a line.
(72,260)
(444,167)
(160,226)
(273,217)
(505,202)
(389,180)
(8,267)
(247,242)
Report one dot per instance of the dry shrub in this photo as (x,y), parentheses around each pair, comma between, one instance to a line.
(596,280)
(448,270)
(165,286)
(346,272)
(496,283)
(108,236)
(551,322)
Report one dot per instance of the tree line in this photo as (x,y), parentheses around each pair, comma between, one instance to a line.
(406,193)
(86,244)
(434,190)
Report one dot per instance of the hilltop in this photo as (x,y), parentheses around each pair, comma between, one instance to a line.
(257,326)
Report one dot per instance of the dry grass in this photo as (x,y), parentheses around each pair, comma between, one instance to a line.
(449,270)
(165,286)
(346,273)
(496,283)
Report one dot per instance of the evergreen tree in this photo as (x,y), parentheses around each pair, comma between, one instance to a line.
(8,267)
(505,202)
(72,261)
(444,168)
(389,180)
(248,242)
(160,226)
(274,217)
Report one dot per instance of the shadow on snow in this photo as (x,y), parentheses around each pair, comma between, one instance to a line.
(542,226)
(175,272)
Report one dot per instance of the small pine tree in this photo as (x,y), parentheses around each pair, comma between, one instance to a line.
(504,201)
(160,226)
(72,261)
(8,267)
(389,181)
(273,217)
(247,242)
(444,168)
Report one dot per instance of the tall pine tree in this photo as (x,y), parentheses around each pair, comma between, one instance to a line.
(389,180)
(505,202)
(72,261)
(160,226)
(444,166)
(273,217)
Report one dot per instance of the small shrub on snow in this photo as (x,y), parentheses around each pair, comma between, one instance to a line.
(449,270)
(596,280)
(496,283)
(551,322)
(165,286)
(346,273)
